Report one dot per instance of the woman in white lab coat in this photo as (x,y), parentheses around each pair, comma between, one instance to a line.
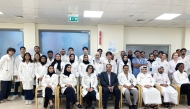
(172,64)
(180,78)
(169,93)
(6,73)
(89,84)
(152,64)
(58,64)
(98,64)
(124,61)
(68,83)
(164,62)
(74,64)
(151,96)
(26,73)
(49,84)
(83,65)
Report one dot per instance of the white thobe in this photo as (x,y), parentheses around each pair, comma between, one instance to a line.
(165,64)
(169,93)
(150,95)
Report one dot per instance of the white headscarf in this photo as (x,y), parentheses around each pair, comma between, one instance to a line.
(142,67)
(97,60)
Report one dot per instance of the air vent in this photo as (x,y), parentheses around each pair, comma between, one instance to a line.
(18,16)
(140,20)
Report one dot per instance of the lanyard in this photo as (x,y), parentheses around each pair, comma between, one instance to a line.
(139,60)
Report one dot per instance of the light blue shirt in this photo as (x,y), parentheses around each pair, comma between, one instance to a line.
(137,70)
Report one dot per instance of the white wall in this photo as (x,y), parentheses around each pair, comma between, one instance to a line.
(150,35)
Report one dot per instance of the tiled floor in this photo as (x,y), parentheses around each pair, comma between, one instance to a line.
(20,104)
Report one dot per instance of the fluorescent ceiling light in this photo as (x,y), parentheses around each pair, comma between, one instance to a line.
(96,14)
(167,16)
(1,13)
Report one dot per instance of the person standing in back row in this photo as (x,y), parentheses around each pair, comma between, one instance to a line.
(85,52)
(6,74)
(137,63)
(110,61)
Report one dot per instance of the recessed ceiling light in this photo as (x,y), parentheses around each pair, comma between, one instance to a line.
(1,13)
(96,14)
(167,16)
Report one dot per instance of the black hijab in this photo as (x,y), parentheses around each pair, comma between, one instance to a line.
(151,61)
(58,62)
(65,70)
(125,62)
(71,61)
(85,62)
(43,63)
(50,74)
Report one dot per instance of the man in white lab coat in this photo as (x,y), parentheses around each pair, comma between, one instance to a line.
(71,51)
(110,61)
(18,59)
(37,51)
(6,73)
(169,93)
(127,80)
(85,52)
(185,60)
(102,58)
(50,57)
(64,57)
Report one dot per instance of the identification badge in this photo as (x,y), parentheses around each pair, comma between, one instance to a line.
(150,69)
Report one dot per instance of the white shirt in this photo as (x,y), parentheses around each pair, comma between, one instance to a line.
(82,69)
(180,78)
(74,68)
(64,58)
(186,62)
(81,58)
(172,65)
(6,68)
(165,64)
(161,79)
(120,67)
(98,65)
(76,58)
(113,63)
(62,68)
(50,61)
(153,68)
(157,59)
(18,60)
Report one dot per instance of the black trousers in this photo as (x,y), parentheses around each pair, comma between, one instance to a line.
(17,84)
(70,97)
(48,96)
(90,96)
(34,90)
(106,93)
(185,88)
(5,89)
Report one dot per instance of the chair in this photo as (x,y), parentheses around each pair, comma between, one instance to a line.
(177,88)
(59,95)
(100,91)
(99,102)
(138,88)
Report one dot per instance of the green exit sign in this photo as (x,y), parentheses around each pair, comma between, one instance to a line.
(73,18)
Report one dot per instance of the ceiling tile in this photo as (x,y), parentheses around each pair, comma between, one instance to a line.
(139,8)
(112,14)
(131,14)
(117,7)
(149,15)
(6,4)
(122,1)
(93,6)
(162,2)
(159,8)
(107,20)
(11,11)
(144,2)
(49,4)
(24,3)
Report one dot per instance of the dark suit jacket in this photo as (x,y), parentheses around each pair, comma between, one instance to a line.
(105,82)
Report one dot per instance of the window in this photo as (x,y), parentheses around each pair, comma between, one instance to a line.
(55,40)
(10,38)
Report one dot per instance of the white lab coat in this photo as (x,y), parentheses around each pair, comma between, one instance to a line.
(76,58)
(126,80)
(113,63)
(49,61)
(26,73)
(18,60)
(52,81)
(6,68)
(172,66)
(150,95)
(40,71)
(98,65)
(120,67)
(81,58)
(102,58)
(67,80)
(64,58)
(165,64)
(186,62)
(82,69)
(62,68)
(180,78)
(74,68)
(154,66)
(89,81)
(169,93)
(157,59)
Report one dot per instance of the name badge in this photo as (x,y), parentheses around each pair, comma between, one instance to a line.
(150,69)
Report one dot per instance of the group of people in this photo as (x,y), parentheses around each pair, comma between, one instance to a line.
(69,70)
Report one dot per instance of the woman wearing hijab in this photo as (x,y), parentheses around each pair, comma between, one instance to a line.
(151,96)
(89,83)
(26,73)
(152,64)
(180,78)
(98,64)
(49,84)
(68,83)
(83,65)
(74,64)
(124,62)
(58,64)
(40,71)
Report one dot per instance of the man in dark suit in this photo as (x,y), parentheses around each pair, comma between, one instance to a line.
(109,84)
